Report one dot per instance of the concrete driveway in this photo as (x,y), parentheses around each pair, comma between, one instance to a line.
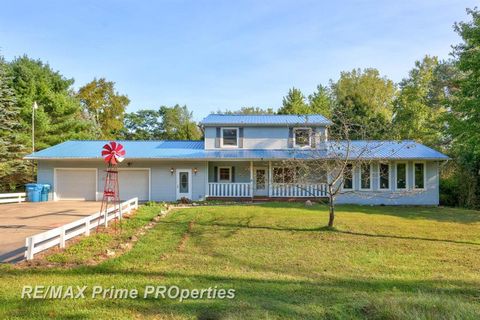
(20,220)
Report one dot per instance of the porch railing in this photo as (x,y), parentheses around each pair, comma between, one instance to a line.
(229,189)
(298,190)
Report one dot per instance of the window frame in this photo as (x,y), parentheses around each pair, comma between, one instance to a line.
(424,175)
(221,137)
(309,145)
(389,176)
(406,175)
(370,177)
(229,174)
(353,179)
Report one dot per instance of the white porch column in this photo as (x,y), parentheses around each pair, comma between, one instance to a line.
(270,179)
(251,178)
(207,191)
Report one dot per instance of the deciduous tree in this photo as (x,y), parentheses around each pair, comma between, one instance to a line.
(105,105)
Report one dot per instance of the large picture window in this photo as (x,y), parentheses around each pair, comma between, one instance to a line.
(365,177)
(230,137)
(401,176)
(384,175)
(348,177)
(419,175)
(283,175)
(302,137)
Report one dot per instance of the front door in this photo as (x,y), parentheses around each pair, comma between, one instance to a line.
(260,182)
(184,183)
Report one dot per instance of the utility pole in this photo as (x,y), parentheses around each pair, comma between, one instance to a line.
(34,107)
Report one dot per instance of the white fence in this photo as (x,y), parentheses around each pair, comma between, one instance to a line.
(298,190)
(230,189)
(12,197)
(58,236)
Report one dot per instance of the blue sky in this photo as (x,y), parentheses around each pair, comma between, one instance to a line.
(215,55)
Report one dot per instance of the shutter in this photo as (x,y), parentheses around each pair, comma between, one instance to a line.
(314,137)
(215,174)
(290,137)
(232,172)
(240,137)
(217,139)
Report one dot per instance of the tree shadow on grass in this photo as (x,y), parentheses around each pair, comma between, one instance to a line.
(238,226)
(291,299)
(440,214)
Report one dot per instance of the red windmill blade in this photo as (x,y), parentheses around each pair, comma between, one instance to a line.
(113,153)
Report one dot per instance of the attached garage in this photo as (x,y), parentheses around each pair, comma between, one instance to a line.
(75,184)
(134,183)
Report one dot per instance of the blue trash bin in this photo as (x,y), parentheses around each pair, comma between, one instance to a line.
(34,191)
(45,191)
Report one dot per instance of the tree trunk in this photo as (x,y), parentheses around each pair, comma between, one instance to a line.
(331,208)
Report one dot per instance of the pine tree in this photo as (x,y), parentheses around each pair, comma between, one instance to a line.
(294,103)
(13,171)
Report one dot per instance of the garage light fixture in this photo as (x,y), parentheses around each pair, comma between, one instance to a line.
(172,170)
(195,170)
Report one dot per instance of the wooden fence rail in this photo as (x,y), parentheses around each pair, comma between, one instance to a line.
(60,235)
(12,197)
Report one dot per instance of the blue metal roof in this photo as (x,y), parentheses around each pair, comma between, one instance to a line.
(194,150)
(264,120)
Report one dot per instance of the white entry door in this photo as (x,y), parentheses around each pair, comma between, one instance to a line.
(184,183)
(260,182)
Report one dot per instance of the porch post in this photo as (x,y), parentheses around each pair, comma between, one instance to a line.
(251,179)
(269,179)
(207,192)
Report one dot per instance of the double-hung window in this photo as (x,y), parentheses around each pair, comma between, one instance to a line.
(302,137)
(401,176)
(384,176)
(366,177)
(229,137)
(348,177)
(419,175)
(224,174)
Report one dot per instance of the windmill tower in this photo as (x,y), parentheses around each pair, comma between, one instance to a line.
(113,153)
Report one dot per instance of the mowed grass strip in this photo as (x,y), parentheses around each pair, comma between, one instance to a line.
(378,263)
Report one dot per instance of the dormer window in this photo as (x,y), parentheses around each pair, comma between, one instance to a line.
(229,137)
(302,137)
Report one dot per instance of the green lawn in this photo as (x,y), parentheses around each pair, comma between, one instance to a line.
(379,263)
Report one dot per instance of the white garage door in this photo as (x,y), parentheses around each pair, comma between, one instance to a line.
(75,184)
(134,183)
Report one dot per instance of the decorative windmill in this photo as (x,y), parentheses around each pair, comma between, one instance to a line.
(113,153)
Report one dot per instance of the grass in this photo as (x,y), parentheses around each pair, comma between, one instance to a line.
(378,263)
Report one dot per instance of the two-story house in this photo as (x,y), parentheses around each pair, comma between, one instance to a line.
(242,157)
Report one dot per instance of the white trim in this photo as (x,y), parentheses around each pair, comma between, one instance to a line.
(149,178)
(406,175)
(229,174)
(353,179)
(389,176)
(55,198)
(177,182)
(309,138)
(221,137)
(371,180)
(424,175)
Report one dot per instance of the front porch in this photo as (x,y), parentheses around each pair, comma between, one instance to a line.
(257,179)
